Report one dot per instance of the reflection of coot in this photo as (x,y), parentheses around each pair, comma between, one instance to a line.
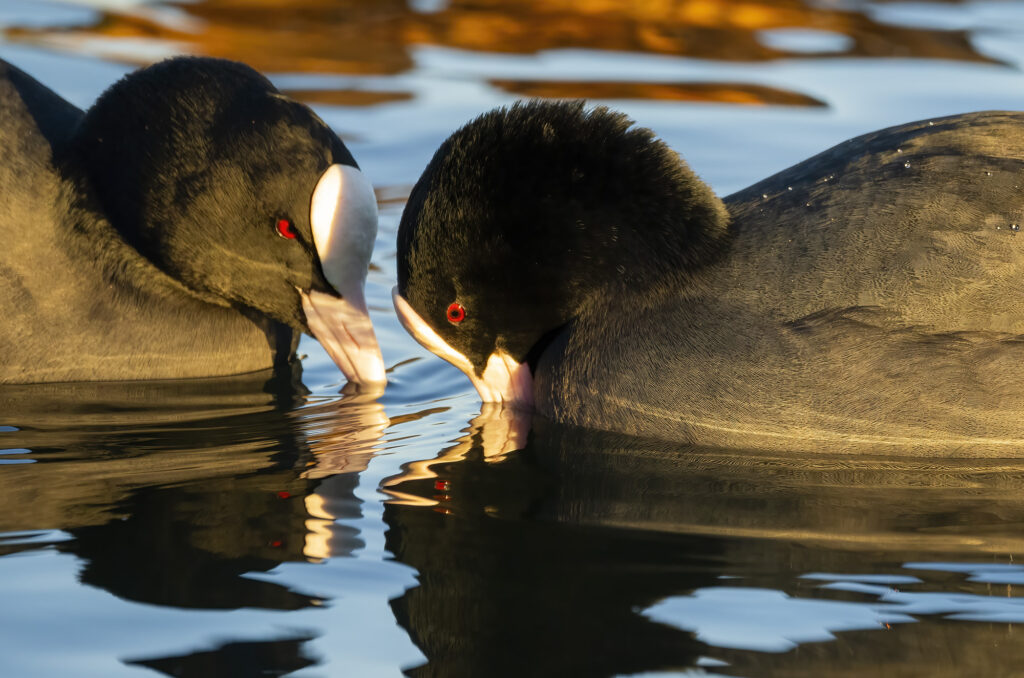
(173,491)
(542,564)
(509,586)
(179,494)
(189,546)
(236,660)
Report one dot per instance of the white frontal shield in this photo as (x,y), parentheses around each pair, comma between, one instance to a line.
(343,214)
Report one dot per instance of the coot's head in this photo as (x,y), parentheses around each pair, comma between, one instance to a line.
(240,193)
(528,212)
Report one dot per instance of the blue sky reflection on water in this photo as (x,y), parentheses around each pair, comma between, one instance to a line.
(727,565)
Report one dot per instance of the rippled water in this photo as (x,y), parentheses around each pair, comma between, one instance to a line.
(236,528)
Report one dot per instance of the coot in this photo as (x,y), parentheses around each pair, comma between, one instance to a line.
(866,299)
(190,224)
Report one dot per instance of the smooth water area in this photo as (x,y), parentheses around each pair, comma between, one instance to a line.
(248,526)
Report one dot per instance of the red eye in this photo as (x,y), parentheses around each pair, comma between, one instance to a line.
(286,229)
(456,314)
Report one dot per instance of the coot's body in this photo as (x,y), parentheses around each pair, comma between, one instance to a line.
(138,239)
(866,299)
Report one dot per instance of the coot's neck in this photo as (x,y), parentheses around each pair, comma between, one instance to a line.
(638,266)
(655,269)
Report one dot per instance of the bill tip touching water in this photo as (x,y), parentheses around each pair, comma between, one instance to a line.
(191,223)
(855,301)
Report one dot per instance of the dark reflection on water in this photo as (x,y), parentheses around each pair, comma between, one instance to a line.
(175,493)
(189,545)
(502,594)
(579,554)
(95,443)
(542,562)
(236,660)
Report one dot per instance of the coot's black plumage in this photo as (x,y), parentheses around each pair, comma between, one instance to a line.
(142,239)
(865,299)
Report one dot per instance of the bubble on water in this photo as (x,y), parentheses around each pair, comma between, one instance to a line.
(789,188)
(906,164)
(930,123)
(764,195)
(1015,227)
(899,150)
(988,174)
(807,204)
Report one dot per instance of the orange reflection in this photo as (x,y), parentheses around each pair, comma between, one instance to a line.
(731,93)
(377,37)
(347,97)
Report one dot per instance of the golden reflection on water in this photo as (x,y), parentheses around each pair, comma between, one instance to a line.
(378,38)
(726,93)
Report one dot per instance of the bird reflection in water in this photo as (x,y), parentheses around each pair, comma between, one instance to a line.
(496,432)
(542,561)
(176,493)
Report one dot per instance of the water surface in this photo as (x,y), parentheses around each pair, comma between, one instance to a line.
(257,526)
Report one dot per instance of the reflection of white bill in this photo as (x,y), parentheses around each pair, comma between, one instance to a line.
(350,441)
(497,430)
(318,528)
(346,445)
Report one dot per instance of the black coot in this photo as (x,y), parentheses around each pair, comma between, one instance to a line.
(869,298)
(190,224)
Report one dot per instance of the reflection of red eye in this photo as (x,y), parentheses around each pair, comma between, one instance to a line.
(456,314)
(286,229)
